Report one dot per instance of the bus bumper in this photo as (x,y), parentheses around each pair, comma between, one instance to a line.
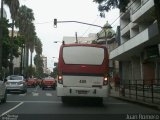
(82,91)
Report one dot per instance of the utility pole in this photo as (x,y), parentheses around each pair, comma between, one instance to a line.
(1,36)
(76,37)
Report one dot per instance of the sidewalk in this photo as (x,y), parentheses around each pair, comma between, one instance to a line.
(116,94)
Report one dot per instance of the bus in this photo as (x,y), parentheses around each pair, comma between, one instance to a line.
(83,72)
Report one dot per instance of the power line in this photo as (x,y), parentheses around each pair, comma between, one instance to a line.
(122,13)
(95,19)
(45,22)
(89,27)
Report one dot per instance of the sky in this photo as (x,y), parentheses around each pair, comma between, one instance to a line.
(45,11)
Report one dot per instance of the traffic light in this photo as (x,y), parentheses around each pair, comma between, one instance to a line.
(55,23)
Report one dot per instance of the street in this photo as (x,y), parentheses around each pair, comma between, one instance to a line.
(44,104)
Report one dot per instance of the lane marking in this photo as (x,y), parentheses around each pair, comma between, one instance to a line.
(49,94)
(116,103)
(35,90)
(11,109)
(36,101)
(22,94)
(35,94)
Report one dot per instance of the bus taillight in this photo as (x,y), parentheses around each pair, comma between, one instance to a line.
(105,81)
(60,79)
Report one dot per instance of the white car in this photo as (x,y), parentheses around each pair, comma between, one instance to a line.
(16,83)
(3,93)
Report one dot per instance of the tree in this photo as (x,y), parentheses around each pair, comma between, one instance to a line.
(7,44)
(13,7)
(106,5)
(38,61)
(24,22)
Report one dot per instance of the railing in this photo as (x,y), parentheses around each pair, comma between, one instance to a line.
(143,90)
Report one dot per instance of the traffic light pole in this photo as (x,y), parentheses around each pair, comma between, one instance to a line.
(55,23)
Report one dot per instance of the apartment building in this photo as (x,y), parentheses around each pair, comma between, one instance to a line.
(138,50)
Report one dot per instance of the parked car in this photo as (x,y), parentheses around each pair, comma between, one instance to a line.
(16,83)
(48,82)
(3,92)
(32,82)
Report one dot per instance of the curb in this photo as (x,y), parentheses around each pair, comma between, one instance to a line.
(155,106)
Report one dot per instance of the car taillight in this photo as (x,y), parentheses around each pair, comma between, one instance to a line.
(60,79)
(105,81)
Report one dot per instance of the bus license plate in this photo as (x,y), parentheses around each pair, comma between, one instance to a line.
(82,91)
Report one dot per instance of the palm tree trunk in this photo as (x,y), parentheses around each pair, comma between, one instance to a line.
(22,58)
(31,58)
(11,52)
(27,59)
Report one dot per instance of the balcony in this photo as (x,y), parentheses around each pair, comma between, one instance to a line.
(135,45)
(142,12)
(125,30)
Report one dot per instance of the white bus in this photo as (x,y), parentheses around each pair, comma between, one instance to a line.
(83,71)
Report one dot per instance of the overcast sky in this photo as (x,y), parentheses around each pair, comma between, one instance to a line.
(78,10)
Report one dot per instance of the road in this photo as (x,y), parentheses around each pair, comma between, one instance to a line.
(38,104)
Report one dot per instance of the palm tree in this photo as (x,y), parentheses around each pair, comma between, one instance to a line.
(38,59)
(38,46)
(26,29)
(13,7)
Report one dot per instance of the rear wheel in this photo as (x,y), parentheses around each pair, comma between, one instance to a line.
(64,99)
(25,90)
(99,101)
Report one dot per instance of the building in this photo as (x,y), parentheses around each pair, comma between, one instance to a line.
(138,50)
(71,39)
(108,38)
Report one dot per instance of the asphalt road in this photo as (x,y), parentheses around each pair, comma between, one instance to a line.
(38,104)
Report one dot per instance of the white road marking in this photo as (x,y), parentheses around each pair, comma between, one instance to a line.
(35,94)
(55,102)
(11,109)
(22,94)
(35,90)
(48,94)
(116,103)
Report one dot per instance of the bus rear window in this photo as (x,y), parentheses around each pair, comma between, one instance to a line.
(83,55)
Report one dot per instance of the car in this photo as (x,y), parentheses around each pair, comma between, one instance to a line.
(3,92)
(48,82)
(16,83)
(32,82)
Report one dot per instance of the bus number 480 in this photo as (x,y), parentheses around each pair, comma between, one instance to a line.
(82,81)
